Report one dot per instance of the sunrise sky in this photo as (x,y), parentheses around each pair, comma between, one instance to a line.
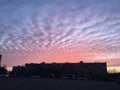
(33,31)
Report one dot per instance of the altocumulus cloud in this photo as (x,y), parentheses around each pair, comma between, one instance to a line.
(49,26)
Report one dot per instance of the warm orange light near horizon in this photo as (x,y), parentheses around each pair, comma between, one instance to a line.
(113,69)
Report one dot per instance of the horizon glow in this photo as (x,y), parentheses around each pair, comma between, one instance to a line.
(59,31)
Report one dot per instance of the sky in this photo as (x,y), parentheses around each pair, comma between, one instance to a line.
(35,31)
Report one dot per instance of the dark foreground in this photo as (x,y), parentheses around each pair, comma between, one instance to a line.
(54,84)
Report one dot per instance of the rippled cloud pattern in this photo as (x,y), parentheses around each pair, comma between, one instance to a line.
(60,31)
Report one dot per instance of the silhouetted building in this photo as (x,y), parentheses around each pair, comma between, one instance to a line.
(18,71)
(60,70)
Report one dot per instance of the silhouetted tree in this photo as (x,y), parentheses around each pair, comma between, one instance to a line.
(3,71)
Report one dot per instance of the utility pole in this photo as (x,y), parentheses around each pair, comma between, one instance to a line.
(0,59)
